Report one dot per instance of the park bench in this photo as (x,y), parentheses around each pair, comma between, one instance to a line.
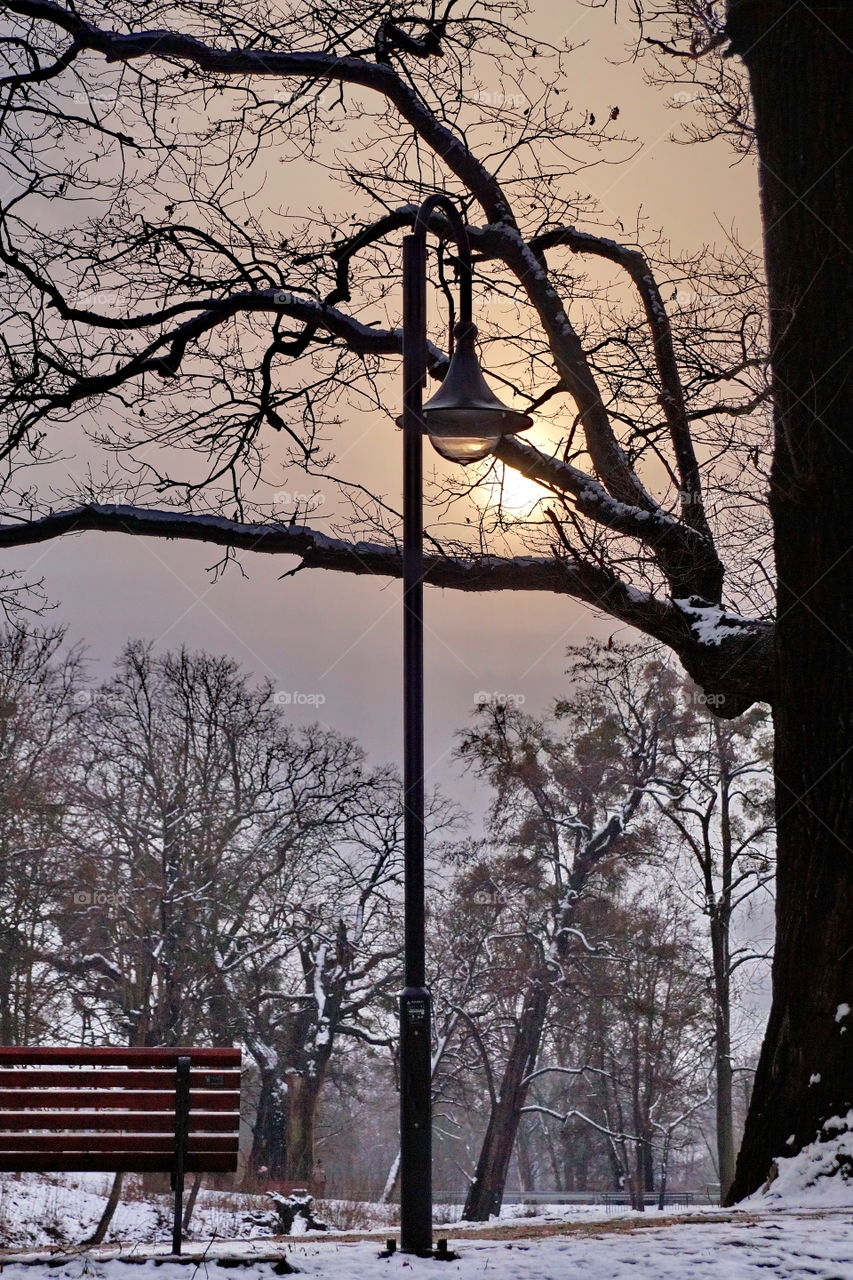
(173,1111)
(621,1199)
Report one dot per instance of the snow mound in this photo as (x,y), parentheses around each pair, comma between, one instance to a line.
(820,1174)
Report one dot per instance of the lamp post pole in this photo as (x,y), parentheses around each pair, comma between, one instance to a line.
(415,1011)
(466,421)
(415,1003)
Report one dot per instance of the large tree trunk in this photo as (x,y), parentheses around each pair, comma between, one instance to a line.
(800,67)
(485,1193)
(648,1162)
(723,1054)
(303,1095)
(664,1172)
(268,1138)
(524,1160)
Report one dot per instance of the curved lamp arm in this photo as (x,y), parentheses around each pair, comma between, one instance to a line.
(460,235)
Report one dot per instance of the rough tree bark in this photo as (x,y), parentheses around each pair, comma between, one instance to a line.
(723,1053)
(302,1098)
(268,1139)
(485,1193)
(800,67)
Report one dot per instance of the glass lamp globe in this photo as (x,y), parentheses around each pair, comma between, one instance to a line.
(465,419)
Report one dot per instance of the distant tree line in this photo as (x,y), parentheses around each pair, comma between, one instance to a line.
(178,864)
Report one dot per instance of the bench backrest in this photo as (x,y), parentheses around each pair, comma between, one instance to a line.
(114,1109)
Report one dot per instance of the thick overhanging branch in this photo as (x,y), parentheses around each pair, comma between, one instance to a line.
(727,655)
(686,556)
(617,499)
(574,370)
(672,394)
(689,563)
(317,550)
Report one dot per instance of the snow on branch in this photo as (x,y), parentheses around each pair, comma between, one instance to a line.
(735,659)
(684,554)
(564,1118)
(567,1071)
(318,550)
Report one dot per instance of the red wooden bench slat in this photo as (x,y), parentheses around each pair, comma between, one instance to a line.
(200,1100)
(211,1058)
(104,1162)
(68,1078)
(176,1110)
(130,1142)
(129,1121)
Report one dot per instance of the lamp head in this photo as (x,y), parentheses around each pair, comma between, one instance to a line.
(465,419)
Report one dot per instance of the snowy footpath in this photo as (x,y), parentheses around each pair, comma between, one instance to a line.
(789,1244)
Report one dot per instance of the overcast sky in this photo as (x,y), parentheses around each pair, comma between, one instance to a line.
(332,643)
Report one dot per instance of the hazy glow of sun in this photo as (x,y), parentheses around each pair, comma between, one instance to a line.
(514,492)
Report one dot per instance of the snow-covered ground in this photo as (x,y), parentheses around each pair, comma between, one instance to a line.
(50,1210)
(63,1209)
(799,1228)
(785,1245)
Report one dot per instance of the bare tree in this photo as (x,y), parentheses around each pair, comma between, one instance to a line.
(719,799)
(201,820)
(714,789)
(39,702)
(331,983)
(173,133)
(565,808)
(178,787)
(642,1073)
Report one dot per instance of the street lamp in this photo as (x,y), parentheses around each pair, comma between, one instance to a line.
(464,421)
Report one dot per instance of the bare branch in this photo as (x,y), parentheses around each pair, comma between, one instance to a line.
(672,394)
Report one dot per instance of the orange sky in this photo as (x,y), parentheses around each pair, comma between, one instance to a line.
(329,637)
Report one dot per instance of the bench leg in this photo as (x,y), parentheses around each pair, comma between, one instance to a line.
(182,1119)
